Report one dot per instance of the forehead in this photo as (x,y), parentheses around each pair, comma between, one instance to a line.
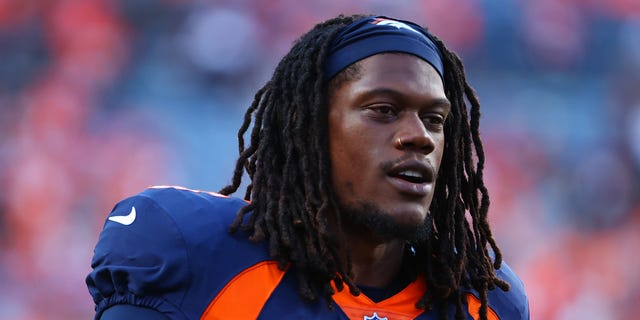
(393,69)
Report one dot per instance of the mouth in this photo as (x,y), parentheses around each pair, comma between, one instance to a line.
(412,177)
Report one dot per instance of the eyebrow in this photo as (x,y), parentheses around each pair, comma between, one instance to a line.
(441,102)
(438,102)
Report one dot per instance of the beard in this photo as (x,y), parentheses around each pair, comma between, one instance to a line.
(366,217)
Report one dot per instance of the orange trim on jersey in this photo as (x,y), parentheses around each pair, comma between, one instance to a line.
(245,295)
(401,306)
(474,308)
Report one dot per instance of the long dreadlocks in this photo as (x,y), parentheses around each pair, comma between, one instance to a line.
(291,191)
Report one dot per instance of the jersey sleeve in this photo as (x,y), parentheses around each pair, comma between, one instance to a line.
(123,311)
(140,259)
(515,301)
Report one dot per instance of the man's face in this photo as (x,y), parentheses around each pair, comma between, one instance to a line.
(386,141)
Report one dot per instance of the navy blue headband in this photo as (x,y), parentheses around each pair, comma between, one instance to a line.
(372,35)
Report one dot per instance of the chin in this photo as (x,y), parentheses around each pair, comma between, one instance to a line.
(388,224)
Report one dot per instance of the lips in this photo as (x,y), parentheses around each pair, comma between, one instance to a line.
(412,177)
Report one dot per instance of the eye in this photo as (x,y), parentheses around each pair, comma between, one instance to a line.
(384,109)
(433,120)
(381,111)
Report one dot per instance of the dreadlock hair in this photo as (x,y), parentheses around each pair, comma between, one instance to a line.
(291,193)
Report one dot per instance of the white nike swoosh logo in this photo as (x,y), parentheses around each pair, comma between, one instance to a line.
(125,220)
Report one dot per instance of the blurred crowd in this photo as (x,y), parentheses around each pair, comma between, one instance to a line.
(102,98)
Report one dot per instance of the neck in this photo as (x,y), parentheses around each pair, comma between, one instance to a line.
(375,263)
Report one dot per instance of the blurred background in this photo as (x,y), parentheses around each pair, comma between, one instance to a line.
(102,98)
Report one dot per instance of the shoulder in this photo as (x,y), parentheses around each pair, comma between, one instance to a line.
(202,219)
(185,204)
(168,217)
(512,304)
(168,245)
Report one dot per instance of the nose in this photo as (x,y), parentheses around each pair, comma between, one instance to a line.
(413,135)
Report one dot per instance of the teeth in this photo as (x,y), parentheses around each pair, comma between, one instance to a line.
(410,173)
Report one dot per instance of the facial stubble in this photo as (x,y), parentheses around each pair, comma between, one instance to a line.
(368,218)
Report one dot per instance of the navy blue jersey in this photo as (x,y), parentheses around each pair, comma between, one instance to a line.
(169,249)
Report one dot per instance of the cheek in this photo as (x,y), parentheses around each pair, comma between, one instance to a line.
(350,162)
(439,151)
(354,153)
(343,175)
(343,163)
(344,146)
(339,155)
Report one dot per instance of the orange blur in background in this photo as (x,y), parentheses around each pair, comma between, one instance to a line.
(100,99)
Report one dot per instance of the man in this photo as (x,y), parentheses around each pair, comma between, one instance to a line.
(364,202)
